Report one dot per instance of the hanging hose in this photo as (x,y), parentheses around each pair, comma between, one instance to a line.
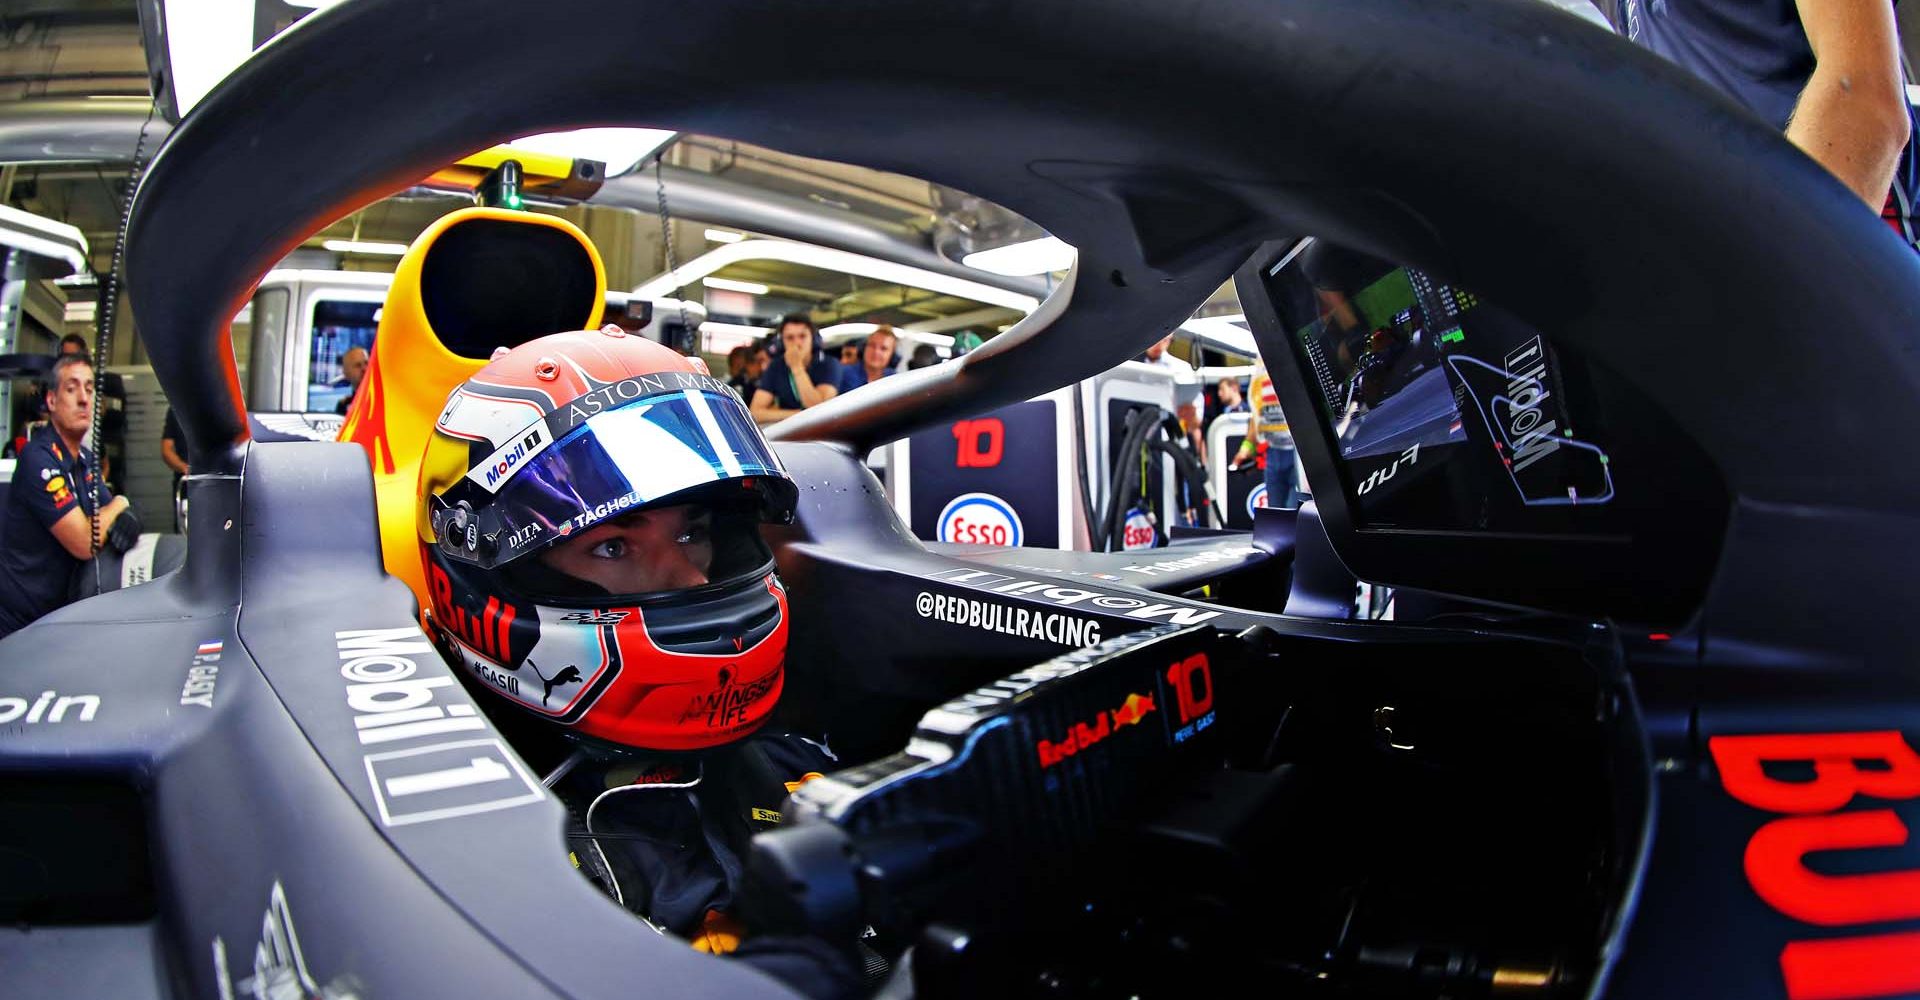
(692,347)
(1126,478)
(1137,442)
(1087,511)
(103,338)
(1191,471)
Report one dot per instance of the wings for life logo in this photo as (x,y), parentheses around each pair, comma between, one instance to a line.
(726,706)
(980,519)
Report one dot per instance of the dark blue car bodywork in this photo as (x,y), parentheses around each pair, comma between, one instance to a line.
(199,775)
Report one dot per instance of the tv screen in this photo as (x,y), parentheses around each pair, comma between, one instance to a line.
(1445,410)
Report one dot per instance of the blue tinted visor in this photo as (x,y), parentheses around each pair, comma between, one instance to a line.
(683,446)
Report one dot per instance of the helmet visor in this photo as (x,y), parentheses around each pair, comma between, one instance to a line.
(649,451)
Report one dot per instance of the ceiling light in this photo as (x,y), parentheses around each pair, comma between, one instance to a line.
(1018,260)
(205,40)
(720,338)
(839,261)
(724,236)
(730,285)
(621,149)
(63,247)
(359,246)
(1223,333)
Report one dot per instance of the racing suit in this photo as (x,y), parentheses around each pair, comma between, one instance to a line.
(667,836)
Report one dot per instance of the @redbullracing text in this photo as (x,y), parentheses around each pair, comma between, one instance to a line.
(1026,622)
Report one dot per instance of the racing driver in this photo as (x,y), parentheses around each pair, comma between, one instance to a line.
(589,515)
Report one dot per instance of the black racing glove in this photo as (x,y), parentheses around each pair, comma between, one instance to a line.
(125,531)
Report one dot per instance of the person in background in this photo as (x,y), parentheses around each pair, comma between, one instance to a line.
(1226,396)
(1186,392)
(54,492)
(800,377)
(924,356)
(1269,442)
(173,451)
(72,343)
(1825,72)
(849,354)
(744,366)
(173,447)
(353,365)
(877,355)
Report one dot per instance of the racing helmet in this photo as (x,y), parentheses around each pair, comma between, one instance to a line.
(589,520)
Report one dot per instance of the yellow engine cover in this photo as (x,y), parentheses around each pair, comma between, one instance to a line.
(476,279)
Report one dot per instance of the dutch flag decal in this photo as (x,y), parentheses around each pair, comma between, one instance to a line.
(210,648)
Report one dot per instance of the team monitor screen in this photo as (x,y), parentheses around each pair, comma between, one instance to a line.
(1446,411)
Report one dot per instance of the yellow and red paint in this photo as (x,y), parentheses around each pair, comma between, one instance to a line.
(408,378)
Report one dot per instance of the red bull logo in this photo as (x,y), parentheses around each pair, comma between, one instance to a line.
(1086,734)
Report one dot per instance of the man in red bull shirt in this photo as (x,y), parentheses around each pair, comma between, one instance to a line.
(55,489)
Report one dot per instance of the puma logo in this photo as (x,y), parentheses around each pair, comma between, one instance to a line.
(568,675)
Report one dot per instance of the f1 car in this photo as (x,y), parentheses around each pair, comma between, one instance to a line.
(1642,727)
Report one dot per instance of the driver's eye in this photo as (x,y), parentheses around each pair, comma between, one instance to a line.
(612,548)
(696,533)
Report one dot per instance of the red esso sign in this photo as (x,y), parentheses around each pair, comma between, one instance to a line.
(980,519)
(1137,532)
(1846,766)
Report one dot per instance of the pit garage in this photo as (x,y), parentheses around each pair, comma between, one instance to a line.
(854,499)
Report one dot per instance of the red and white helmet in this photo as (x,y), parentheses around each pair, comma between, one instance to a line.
(589,517)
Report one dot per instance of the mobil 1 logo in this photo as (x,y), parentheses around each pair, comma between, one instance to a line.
(447,780)
(417,772)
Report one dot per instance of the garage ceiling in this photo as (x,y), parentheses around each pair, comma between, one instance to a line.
(91,50)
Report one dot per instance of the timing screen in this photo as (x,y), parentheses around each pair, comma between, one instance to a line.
(1447,410)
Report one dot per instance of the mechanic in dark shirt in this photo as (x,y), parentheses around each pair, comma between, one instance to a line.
(173,451)
(1826,72)
(614,595)
(47,534)
(173,447)
(800,375)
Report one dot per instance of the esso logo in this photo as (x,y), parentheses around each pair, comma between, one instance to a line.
(1257,498)
(980,519)
(1138,531)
